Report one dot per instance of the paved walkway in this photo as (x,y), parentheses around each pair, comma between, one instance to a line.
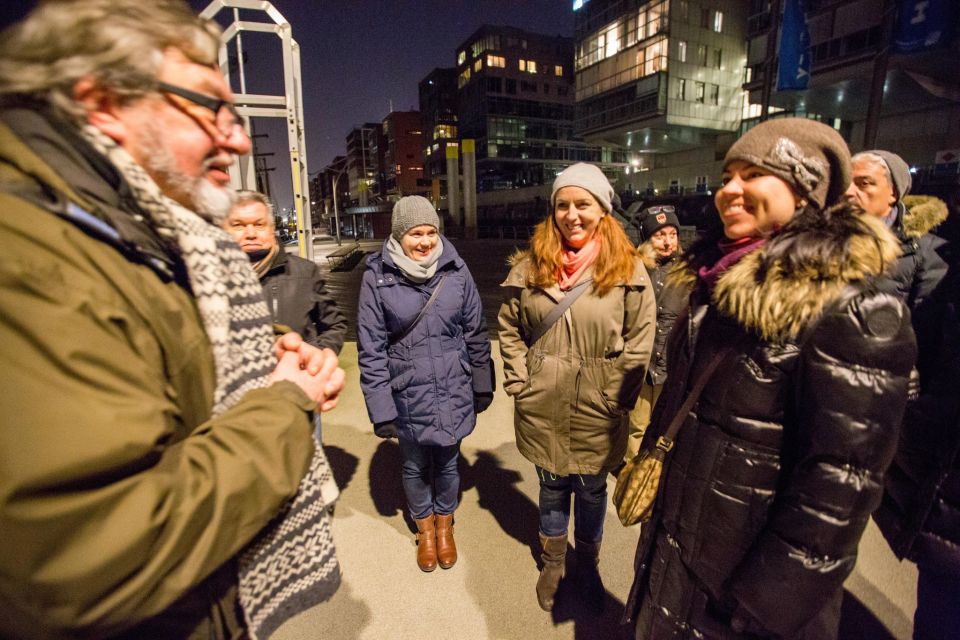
(490,591)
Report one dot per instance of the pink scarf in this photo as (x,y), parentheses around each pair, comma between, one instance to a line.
(733,252)
(576,261)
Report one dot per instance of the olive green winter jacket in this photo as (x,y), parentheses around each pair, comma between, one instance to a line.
(573,388)
(122,502)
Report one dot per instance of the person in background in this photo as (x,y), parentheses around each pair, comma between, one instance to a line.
(660,251)
(880,186)
(425,366)
(293,286)
(153,425)
(774,473)
(574,385)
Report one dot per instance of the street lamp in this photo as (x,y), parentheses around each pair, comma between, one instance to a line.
(336,211)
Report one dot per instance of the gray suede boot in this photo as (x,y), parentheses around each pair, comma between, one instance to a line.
(553,556)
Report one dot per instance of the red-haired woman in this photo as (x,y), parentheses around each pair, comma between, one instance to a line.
(573,380)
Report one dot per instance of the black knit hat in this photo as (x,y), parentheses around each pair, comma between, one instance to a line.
(652,219)
(808,155)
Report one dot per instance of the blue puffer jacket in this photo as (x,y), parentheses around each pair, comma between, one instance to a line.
(426,382)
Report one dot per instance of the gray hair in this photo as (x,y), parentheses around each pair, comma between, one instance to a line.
(245,196)
(118,43)
(876,161)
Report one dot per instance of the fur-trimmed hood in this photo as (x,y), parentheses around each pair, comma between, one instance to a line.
(779,289)
(923,214)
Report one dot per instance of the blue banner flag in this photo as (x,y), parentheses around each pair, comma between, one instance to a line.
(793,71)
(924,24)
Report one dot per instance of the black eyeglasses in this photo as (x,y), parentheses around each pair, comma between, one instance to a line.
(226,119)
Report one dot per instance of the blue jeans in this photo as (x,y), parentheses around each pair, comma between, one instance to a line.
(431,480)
(589,504)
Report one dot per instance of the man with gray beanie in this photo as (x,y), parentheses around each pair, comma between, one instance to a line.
(881,181)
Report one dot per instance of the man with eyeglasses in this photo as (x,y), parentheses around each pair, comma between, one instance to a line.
(153,424)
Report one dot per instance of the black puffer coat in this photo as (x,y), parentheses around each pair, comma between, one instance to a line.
(777,468)
(920,512)
(920,266)
(671,301)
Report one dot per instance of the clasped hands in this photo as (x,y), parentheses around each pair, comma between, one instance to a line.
(316,371)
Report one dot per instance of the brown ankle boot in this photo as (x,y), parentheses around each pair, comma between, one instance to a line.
(446,547)
(426,544)
(553,556)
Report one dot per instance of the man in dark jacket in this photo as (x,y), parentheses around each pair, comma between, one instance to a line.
(881,181)
(293,287)
(659,228)
(153,426)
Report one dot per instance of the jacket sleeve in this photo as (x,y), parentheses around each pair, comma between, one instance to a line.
(330,323)
(931,269)
(639,331)
(372,343)
(474,327)
(513,348)
(111,506)
(851,391)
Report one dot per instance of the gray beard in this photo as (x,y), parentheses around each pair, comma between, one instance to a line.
(210,202)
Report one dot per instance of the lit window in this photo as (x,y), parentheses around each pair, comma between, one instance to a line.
(496,61)
(478,65)
(700,91)
(702,55)
(714,94)
(530,66)
(461,57)
(718,21)
(558,71)
(681,89)
(682,50)
(522,64)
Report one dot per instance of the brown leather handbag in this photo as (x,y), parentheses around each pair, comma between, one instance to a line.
(639,480)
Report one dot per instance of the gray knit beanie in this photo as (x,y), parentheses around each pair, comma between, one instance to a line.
(410,212)
(808,155)
(586,176)
(899,171)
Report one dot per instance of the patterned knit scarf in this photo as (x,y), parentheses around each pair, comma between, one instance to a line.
(291,565)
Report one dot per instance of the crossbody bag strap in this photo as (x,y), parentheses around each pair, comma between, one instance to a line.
(423,312)
(665,442)
(558,310)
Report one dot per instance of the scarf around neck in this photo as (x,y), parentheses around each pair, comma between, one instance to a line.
(733,251)
(576,261)
(418,272)
(262,263)
(291,565)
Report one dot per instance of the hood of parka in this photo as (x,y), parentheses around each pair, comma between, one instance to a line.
(923,214)
(782,287)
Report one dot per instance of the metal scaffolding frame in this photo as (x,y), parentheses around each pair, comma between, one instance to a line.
(289,105)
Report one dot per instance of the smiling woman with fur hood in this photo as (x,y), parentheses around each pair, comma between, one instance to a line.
(775,471)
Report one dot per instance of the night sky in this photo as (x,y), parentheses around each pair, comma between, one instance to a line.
(358,57)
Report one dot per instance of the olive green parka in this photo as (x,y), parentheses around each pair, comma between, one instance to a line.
(573,389)
(122,502)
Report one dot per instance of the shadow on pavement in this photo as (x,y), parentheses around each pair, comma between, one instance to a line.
(498,493)
(588,625)
(386,487)
(858,623)
(343,465)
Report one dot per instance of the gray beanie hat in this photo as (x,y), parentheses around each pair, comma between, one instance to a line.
(899,171)
(809,156)
(586,176)
(410,212)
